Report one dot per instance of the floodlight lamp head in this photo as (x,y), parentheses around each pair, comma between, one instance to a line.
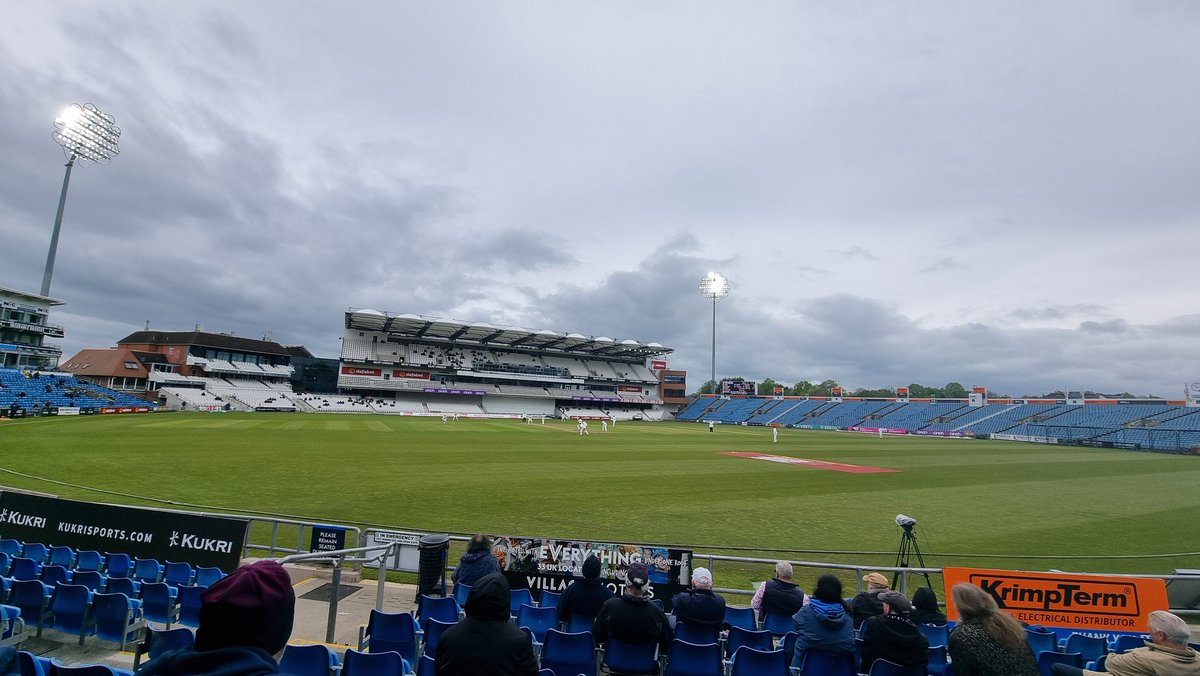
(87,134)
(905,522)
(714,285)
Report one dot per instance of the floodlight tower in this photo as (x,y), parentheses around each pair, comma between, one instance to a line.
(714,285)
(88,135)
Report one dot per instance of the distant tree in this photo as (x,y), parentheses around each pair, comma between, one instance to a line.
(707,388)
(824,388)
(767,386)
(954,390)
(880,392)
(802,388)
(918,390)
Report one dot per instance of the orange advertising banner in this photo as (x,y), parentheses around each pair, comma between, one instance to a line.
(1072,600)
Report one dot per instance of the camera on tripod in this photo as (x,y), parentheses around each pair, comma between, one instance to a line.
(905,522)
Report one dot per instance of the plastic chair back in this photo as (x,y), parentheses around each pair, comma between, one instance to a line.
(54,575)
(1048,658)
(388,663)
(778,624)
(749,661)
(883,667)
(207,575)
(23,568)
(390,632)
(460,593)
(189,605)
(124,585)
(89,559)
(117,564)
(743,617)
(33,598)
(5,563)
(29,664)
(441,608)
(580,623)
(70,606)
(36,551)
(160,603)
(426,666)
(92,579)
(569,652)
(307,660)
(549,599)
(1041,641)
(118,618)
(936,634)
(630,658)
(938,661)
(693,659)
(160,641)
(518,598)
(1090,647)
(739,637)
(1127,642)
(62,556)
(433,631)
(147,570)
(11,547)
(697,634)
(828,664)
(178,573)
(538,620)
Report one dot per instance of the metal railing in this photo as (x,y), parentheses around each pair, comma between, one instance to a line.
(375,555)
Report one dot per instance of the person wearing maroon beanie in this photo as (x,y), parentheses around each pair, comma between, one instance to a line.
(245,622)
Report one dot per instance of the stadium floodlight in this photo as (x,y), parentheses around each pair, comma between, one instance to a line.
(88,135)
(714,285)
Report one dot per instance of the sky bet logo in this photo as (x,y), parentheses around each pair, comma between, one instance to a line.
(190,541)
(1060,595)
(16,518)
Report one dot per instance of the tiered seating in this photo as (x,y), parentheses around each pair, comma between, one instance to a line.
(845,413)
(914,416)
(357,348)
(1015,415)
(575,367)
(31,390)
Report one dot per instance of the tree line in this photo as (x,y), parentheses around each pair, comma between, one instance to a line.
(805,388)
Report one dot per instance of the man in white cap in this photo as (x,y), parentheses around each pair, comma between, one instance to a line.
(699,606)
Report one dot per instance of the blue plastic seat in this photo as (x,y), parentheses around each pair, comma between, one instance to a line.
(5,563)
(936,634)
(118,617)
(748,661)
(124,585)
(539,620)
(12,627)
(739,637)
(518,598)
(1048,658)
(53,575)
(207,575)
(778,624)
(694,659)
(33,598)
(569,652)
(1126,642)
(89,559)
(70,605)
(389,632)
(147,570)
(178,573)
(117,564)
(1041,641)
(883,667)
(426,666)
(308,660)
(11,546)
(36,551)
(1090,647)
(816,663)
(441,608)
(549,599)
(697,634)
(29,664)
(579,623)
(24,568)
(431,631)
(388,663)
(92,579)
(62,556)
(189,605)
(89,670)
(160,603)
(160,641)
(739,616)
(630,658)
(939,662)
(460,593)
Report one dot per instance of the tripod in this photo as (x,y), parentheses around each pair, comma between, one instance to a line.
(908,546)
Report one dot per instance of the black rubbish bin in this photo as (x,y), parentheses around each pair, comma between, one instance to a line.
(431,576)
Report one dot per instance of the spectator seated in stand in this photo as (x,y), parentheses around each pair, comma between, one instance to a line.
(822,624)
(700,606)
(477,562)
(779,596)
(585,596)
(925,608)
(987,641)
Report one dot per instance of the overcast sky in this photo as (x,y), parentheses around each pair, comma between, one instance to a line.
(995,193)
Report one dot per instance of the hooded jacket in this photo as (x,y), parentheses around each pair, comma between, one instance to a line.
(584,597)
(484,643)
(633,619)
(895,638)
(925,608)
(235,661)
(474,565)
(822,627)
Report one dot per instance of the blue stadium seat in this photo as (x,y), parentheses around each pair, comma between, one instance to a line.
(442,608)
(89,559)
(160,603)
(207,575)
(692,659)
(308,660)
(178,573)
(739,637)
(696,634)
(118,618)
(33,598)
(517,598)
(748,661)
(623,657)
(390,632)
(569,652)
(62,556)
(189,605)
(160,641)
(70,605)
(431,631)
(388,663)
(739,616)
(1048,658)
(817,663)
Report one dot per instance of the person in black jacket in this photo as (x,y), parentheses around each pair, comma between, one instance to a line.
(699,606)
(484,643)
(866,603)
(925,607)
(584,597)
(892,636)
(631,617)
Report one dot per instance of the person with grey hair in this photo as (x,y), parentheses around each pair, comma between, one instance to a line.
(1166,653)
(779,595)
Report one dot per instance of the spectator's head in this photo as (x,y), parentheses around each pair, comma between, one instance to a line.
(875,581)
(977,606)
(702,578)
(489,598)
(252,606)
(925,599)
(479,543)
(1168,629)
(829,589)
(636,577)
(895,602)
(591,567)
(783,570)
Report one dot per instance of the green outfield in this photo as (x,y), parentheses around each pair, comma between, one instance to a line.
(639,482)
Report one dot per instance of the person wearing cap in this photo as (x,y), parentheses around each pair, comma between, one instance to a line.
(631,617)
(585,596)
(892,636)
(779,595)
(822,625)
(485,643)
(245,622)
(699,606)
(866,603)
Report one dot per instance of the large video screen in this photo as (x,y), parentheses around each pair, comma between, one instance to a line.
(734,387)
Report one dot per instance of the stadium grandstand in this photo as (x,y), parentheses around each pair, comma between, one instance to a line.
(1150,424)
(412,364)
(24,327)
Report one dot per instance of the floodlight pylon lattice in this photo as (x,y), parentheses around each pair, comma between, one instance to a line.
(716,286)
(86,134)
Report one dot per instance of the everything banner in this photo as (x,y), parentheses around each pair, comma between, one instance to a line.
(1103,603)
(145,533)
(540,564)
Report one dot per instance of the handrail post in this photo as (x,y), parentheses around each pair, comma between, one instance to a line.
(331,623)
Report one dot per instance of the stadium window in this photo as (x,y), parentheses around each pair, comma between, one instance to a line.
(130,365)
